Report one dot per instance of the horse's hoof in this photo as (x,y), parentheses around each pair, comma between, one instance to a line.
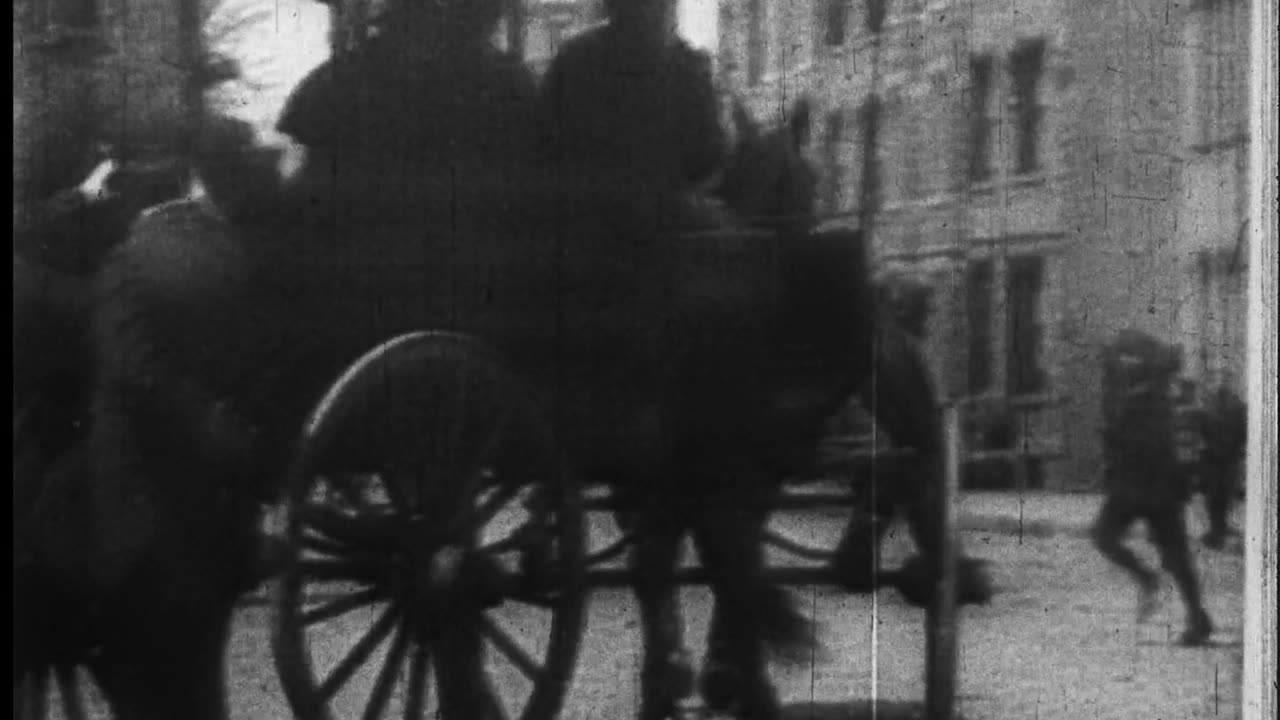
(1198,631)
(973,585)
(720,686)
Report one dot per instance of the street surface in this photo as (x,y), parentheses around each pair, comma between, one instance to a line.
(1059,641)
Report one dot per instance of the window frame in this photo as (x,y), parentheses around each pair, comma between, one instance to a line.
(981,168)
(1027,64)
(1025,324)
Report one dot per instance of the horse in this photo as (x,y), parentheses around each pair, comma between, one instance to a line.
(878,359)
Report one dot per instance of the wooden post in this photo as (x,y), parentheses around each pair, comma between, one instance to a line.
(941,620)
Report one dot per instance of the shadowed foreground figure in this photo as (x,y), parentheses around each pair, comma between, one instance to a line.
(1142,478)
(899,393)
(1223,425)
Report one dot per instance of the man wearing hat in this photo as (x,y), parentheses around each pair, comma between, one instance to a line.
(635,102)
(429,95)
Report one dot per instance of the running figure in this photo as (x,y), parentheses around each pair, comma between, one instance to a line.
(1142,478)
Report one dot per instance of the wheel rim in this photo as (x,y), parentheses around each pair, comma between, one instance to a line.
(433,553)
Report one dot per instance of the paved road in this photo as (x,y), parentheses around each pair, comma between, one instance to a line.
(1059,641)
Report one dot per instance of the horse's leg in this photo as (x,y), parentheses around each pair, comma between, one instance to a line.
(905,405)
(753,615)
(736,673)
(718,676)
(654,555)
(856,559)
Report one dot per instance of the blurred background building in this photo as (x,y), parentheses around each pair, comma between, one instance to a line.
(1056,170)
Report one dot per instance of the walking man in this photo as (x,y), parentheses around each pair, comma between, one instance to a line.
(1142,478)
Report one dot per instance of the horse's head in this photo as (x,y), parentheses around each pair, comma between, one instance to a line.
(767,179)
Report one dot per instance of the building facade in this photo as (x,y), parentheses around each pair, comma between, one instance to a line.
(1056,171)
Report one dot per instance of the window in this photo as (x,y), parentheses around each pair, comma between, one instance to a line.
(1026,65)
(1219,66)
(979,285)
(869,118)
(832,147)
(757,44)
(981,69)
(836,21)
(70,14)
(1026,285)
(876,10)
(915,145)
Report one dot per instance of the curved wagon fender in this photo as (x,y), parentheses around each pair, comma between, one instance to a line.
(356,392)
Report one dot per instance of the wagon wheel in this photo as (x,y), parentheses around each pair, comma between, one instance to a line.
(453,526)
(32,688)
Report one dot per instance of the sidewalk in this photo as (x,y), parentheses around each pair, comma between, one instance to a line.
(1039,513)
(1035,513)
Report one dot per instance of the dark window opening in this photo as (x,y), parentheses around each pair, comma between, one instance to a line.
(876,10)
(74,14)
(755,41)
(979,304)
(1026,65)
(982,71)
(837,21)
(1026,285)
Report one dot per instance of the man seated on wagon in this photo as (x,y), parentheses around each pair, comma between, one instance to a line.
(633,104)
(429,97)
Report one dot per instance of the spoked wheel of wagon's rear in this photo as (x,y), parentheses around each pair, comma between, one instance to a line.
(435,539)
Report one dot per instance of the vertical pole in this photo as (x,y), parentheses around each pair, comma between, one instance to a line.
(941,621)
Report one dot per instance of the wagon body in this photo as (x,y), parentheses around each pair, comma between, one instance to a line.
(617,329)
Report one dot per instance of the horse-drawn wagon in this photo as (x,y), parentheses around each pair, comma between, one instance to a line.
(440,478)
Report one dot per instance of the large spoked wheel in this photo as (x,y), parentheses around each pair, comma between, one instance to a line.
(435,540)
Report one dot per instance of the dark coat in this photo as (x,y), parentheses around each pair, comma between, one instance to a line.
(382,120)
(652,118)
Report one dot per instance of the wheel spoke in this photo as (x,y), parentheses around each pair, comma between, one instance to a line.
(72,706)
(464,692)
(323,544)
(496,711)
(359,654)
(341,606)
(416,703)
(545,601)
(364,532)
(362,569)
(518,537)
(387,675)
(477,517)
(511,649)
